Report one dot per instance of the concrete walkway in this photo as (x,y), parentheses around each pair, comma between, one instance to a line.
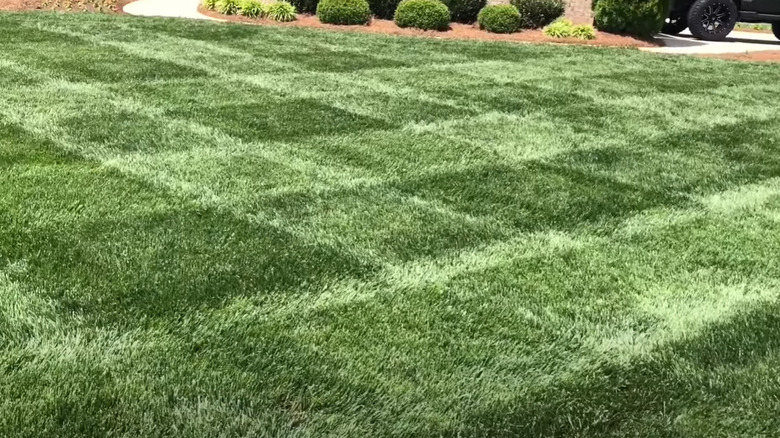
(737,42)
(166,8)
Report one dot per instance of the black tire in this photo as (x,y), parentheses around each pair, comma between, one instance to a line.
(712,20)
(776,30)
(675,24)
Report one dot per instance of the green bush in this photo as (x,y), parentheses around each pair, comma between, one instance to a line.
(227,7)
(539,13)
(584,32)
(344,11)
(383,9)
(252,8)
(422,14)
(210,4)
(563,28)
(305,6)
(641,18)
(560,28)
(464,11)
(281,11)
(499,19)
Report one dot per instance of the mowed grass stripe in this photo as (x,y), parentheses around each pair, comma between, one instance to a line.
(210,194)
(179,47)
(619,303)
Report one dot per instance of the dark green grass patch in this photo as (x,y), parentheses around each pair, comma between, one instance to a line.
(340,61)
(280,119)
(216,230)
(94,62)
(20,148)
(538,197)
(96,267)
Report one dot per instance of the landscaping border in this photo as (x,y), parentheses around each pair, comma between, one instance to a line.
(456,31)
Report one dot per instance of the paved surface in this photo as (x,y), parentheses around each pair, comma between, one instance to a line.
(737,42)
(166,8)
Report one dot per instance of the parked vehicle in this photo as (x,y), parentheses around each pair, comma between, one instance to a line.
(713,20)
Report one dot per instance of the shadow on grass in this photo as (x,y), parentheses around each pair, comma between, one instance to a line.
(538,196)
(119,250)
(680,391)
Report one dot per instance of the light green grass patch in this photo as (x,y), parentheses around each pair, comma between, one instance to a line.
(218,230)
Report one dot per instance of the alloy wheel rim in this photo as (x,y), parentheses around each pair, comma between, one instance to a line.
(715,17)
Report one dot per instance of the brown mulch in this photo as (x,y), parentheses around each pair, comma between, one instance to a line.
(108,6)
(457,31)
(766,56)
(19,5)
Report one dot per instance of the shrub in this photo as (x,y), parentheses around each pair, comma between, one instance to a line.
(383,8)
(584,32)
(252,8)
(422,14)
(281,11)
(539,13)
(227,7)
(561,28)
(305,6)
(210,4)
(464,11)
(642,18)
(344,11)
(499,18)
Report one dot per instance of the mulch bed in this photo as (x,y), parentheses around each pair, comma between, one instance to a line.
(457,31)
(106,6)
(767,56)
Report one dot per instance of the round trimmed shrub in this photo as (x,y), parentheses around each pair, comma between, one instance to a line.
(210,4)
(423,14)
(252,8)
(539,13)
(464,11)
(344,11)
(227,7)
(281,11)
(499,19)
(642,18)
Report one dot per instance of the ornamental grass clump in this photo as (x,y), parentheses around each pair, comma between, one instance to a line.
(252,9)
(281,11)
(227,7)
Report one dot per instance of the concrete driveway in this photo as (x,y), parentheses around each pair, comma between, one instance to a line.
(166,8)
(737,42)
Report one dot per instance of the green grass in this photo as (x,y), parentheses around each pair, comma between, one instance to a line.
(765,27)
(213,230)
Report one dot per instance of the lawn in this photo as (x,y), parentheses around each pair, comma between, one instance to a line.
(212,230)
